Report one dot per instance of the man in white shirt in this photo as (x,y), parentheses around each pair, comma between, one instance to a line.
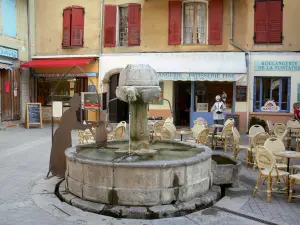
(218,111)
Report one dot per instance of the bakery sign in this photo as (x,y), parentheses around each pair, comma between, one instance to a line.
(270,106)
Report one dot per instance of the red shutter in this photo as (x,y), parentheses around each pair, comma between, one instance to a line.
(110,14)
(261,22)
(174,22)
(275,21)
(66,39)
(215,22)
(134,24)
(77,26)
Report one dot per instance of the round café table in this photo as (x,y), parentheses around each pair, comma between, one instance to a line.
(182,132)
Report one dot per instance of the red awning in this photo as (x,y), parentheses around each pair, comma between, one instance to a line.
(48,63)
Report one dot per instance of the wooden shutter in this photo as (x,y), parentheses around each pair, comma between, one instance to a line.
(261,30)
(174,36)
(215,22)
(110,14)
(275,21)
(134,24)
(77,26)
(66,39)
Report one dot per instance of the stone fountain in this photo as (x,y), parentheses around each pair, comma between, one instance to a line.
(173,179)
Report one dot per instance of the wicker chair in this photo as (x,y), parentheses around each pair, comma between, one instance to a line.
(270,127)
(117,134)
(157,129)
(275,145)
(279,129)
(166,134)
(224,138)
(201,120)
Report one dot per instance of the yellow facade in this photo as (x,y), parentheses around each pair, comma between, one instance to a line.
(154,28)
(21,41)
(49,22)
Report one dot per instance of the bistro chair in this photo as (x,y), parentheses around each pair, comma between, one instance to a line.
(202,137)
(117,134)
(166,134)
(229,120)
(270,127)
(254,130)
(197,128)
(279,129)
(258,140)
(294,178)
(201,120)
(269,171)
(157,129)
(236,148)
(275,145)
(224,138)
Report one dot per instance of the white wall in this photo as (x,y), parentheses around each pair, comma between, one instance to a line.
(275,56)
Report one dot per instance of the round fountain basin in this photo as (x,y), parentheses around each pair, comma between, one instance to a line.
(178,172)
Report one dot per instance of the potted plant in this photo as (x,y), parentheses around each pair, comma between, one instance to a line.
(259,121)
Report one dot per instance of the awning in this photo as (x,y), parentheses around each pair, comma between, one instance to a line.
(5,66)
(48,63)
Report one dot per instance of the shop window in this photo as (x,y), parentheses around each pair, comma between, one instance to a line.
(195,22)
(125,21)
(73,27)
(268,16)
(274,89)
(206,92)
(9,18)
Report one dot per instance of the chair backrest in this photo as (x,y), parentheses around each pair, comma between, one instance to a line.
(274,145)
(227,129)
(200,120)
(229,120)
(119,133)
(256,129)
(169,120)
(260,139)
(293,123)
(122,124)
(157,126)
(202,137)
(171,127)
(264,158)
(236,135)
(197,128)
(270,127)
(279,129)
(165,134)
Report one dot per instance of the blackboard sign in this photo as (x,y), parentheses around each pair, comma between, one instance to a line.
(241,93)
(33,114)
(236,118)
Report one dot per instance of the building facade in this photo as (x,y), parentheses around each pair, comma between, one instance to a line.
(14,49)
(66,49)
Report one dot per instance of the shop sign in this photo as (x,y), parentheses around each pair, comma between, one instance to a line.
(202,107)
(201,76)
(8,52)
(276,65)
(67,75)
(270,106)
(6,86)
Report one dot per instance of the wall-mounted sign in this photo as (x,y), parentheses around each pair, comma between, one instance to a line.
(276,65)
(6,86)
(67,75)
(270,106)
(241,93)
(8,52)
(202,107)
(201,76)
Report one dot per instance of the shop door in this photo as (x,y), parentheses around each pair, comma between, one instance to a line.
(10,95)
(118,110)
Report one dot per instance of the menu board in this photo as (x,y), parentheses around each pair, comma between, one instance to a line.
(33,114)
(241,93)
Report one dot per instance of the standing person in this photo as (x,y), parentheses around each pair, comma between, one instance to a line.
(217,110)
(296,112)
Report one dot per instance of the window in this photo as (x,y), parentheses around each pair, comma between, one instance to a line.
(268,21)
(274,89)
(9,19)
(73,27)
(195,22)
(122,25)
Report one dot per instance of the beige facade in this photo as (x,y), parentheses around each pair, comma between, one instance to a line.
(49,26)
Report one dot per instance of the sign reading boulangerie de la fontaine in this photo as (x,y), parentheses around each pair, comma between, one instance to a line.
(265,65)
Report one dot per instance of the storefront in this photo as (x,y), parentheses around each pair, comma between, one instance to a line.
(189,81)
(276,82)
(47,74)
(10,84)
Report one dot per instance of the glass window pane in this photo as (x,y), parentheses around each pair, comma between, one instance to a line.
(283,106)
(123,26)
(201,23)
(266,87)
(275,83)
(188,23)
(284,93)
(257,91)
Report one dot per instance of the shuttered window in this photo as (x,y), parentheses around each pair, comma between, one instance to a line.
(268,21)
(201,21)
(73,27)
(127,27)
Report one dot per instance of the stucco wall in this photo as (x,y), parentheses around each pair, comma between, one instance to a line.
(21,41)
(49,19)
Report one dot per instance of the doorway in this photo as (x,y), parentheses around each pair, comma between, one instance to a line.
(182,94)
(118,110)
(10,95)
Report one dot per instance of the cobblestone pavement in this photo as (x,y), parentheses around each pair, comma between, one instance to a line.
(24,158)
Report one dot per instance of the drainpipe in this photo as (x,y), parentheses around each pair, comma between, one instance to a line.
(247,56)
(100,83)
